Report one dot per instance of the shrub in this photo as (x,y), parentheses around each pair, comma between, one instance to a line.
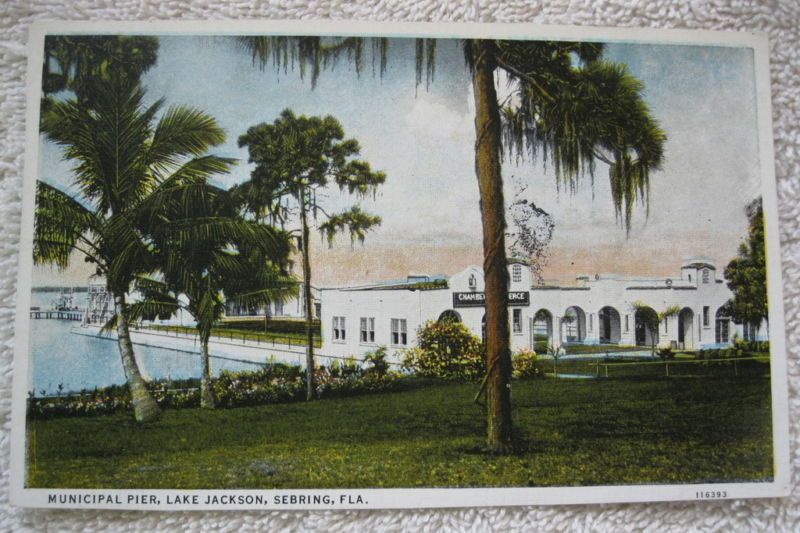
(524,364)
(446,350)
(665,353)
(377,361)
(277,383)
(750,347)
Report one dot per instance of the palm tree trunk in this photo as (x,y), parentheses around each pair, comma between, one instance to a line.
(145,408)
(206,392)
(490,182)
(310,390)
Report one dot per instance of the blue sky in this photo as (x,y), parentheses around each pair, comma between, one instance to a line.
(704,97)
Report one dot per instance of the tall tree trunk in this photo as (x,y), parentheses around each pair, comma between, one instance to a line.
(207,400)
(145,408)
(490,182)
(310,390)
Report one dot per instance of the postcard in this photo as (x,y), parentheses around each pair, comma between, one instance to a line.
(285,265)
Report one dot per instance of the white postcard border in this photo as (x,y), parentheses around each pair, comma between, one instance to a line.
(146,499)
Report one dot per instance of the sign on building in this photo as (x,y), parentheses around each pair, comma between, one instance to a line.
(478,299)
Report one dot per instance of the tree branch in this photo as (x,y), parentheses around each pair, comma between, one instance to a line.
(522,75)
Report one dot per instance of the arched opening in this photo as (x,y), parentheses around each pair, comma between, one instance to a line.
(646,326)
(610,325)
(542,331)
(722,327)
(686,329)
(573,325)
(483,328)
(449,316)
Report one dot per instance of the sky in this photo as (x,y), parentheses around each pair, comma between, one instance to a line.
(423,139)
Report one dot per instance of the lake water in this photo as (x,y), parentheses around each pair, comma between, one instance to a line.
(82,362)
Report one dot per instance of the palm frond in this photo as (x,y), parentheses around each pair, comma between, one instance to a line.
(152,308)
(182,131)
(61,226)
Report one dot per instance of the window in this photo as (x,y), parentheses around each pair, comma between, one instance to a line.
(690,277)
(705,316)
(399,335)
(278,308)
(591,321)
(339,330)
(626,323)
(517,322)
(473,283)
(367,329)
(706,275)
(723,330)
(516,274)
(750,331)
(301,301)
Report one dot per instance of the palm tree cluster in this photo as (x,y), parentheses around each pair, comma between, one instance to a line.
(145,214)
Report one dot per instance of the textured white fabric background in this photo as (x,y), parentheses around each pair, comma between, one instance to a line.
(781,20)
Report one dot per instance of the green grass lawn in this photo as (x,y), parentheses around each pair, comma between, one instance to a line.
(572,433)
(655,368)
(263,337)
(573,349)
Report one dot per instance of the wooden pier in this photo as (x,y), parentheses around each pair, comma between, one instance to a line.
(76,315)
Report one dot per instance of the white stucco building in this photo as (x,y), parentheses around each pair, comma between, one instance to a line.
(597,309)
(294,307)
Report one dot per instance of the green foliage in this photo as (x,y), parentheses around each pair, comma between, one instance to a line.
(665,354)
(207,252)
(271,325)
(446,350)
(573,113)
(694,430)
(353,220)
(746,275)
(432,285)
(322,53)
(128,167)
(646,315)
(671,311)
(524,365)
(298,157)
(751,347)
(276,383)
(574,107)
(75,62)
(376,359)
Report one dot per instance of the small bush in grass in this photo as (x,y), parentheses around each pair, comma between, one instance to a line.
(665,353)
(751,347)
(524,364)
(446,350)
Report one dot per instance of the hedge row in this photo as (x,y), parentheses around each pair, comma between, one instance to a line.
(276,383)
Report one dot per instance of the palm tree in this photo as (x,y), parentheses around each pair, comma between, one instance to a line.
(651,319)
(122,162)
(208,254)
(572,109)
